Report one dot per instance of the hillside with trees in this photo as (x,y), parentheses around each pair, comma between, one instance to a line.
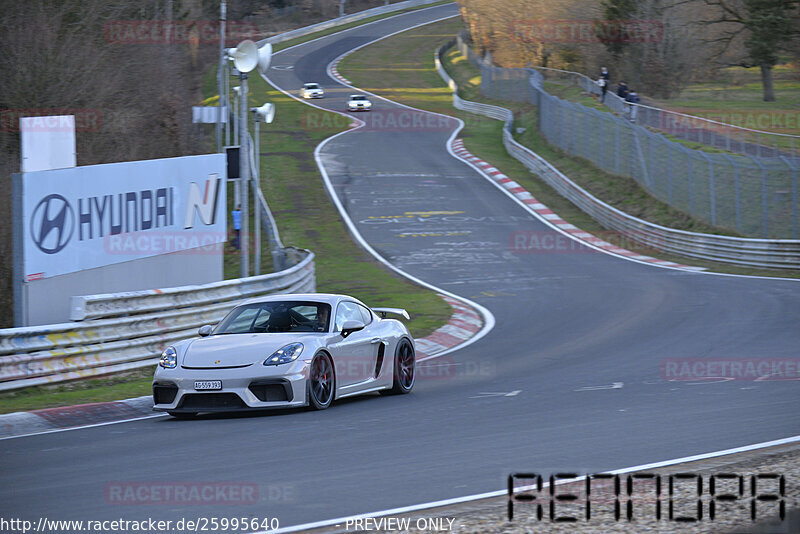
(657,46)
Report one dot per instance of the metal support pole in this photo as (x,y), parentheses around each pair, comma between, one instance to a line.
(669,174)
(764,221)
(341,8)
(227,89)
(236,122)
(712,195)
(737,191)
(257,205)
(221,104)
(244,166)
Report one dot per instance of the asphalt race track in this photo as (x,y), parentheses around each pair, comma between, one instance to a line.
(570,379)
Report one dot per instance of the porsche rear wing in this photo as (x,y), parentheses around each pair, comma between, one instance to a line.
(397,311)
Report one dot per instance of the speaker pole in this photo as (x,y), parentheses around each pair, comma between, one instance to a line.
(220,74)
(245,172)
(257,205)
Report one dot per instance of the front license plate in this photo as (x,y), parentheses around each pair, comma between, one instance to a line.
(208,384)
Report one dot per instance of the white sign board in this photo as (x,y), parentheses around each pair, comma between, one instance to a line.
(47,142)
(92,216)
(209,114)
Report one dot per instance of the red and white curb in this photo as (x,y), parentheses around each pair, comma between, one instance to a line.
(463,325)
(335,72)
(553,219)
(82,415)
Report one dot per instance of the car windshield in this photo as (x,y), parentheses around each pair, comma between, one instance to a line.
(358,97)
(312,86)
(276,317)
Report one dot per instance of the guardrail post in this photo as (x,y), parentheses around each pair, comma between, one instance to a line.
(763,196)
(772,253)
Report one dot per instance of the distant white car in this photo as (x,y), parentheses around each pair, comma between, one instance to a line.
(359,103)
(285,351)
(312,90)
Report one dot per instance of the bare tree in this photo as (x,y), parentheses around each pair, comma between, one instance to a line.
(762,28)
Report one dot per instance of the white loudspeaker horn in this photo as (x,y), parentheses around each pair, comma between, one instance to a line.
(245,56)
(264,57)
(266,112)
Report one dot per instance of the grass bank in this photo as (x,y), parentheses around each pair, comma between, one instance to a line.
(306,218)
(408,75)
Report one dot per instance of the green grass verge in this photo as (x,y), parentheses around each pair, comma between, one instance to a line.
(119,386)
(306,218)
(408,75)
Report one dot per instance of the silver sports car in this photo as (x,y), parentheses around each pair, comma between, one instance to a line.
(285,351)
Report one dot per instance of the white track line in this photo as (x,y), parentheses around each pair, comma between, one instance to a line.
(93,425)
(527,208)
(504,492)
(488,317)
(357,235)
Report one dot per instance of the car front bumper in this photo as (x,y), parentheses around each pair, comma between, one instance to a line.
(256,387)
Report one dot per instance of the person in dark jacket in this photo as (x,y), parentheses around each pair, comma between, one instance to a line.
(633,100)
(622,90)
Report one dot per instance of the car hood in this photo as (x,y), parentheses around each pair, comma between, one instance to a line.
(239,350)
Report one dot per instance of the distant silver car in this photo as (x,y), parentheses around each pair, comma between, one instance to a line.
(284,351)
(312,90)
(359,103)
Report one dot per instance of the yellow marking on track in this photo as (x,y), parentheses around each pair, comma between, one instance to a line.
(411,214)
(433,234)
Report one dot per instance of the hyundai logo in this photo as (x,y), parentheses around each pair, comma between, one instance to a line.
(52,224)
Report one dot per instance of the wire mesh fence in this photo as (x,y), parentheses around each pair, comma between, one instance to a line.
(755,194)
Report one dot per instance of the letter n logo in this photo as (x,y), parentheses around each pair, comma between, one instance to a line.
(205,202)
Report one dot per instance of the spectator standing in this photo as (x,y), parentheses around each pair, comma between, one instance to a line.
(603,83)
(622,90)
(633,101)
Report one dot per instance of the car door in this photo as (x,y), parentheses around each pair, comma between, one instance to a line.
(354,356)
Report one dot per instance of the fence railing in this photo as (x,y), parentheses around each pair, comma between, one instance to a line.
(772,253)
(754,196)
(717,134)
(124,331)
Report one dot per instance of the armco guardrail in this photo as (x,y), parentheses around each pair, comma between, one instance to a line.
(771,253)
(347,19)
(129,330)
(755,193)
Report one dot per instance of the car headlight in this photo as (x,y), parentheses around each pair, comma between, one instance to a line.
(286,354)
(169,358)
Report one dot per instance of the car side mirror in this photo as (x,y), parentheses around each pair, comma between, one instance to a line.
(205,330)
(350,326)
